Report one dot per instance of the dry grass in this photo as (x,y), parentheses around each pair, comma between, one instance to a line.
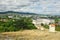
(30,35)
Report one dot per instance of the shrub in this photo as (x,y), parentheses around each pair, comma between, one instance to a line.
(22,23)
(57,28)
(2,29)
(46,26)
(42,24)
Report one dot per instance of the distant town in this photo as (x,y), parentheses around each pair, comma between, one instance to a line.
(39,18)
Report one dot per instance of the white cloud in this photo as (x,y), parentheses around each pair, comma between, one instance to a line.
(36,6)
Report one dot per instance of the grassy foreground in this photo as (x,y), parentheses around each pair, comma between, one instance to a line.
(30,35)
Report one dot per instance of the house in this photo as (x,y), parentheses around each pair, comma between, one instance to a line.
(52,27)
(10,16)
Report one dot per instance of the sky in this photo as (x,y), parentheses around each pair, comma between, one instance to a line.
(35,6)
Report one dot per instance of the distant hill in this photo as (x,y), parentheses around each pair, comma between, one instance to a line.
(18,12)
(27,13)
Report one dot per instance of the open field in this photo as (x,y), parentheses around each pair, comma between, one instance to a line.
(30,35)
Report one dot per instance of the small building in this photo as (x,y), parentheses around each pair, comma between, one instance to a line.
(52,28)
(10,16)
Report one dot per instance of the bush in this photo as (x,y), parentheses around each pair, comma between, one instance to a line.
(57,28)
(46,26)
(12,28)
(42,24)
(2,29)
(22,23)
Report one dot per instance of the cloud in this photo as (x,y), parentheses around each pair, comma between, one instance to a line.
(36,6)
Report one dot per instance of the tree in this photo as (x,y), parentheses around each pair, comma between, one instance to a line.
(24,23)
(56,20)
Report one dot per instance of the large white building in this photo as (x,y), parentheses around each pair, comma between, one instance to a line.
(44,21)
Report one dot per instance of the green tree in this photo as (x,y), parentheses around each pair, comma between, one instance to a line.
(24,23)
(56,20)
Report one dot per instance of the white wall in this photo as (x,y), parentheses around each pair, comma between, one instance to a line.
(44,21)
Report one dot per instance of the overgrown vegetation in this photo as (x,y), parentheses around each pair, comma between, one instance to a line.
(57,20)
(45,26)
(16,24)
(24,23)
(57,28)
